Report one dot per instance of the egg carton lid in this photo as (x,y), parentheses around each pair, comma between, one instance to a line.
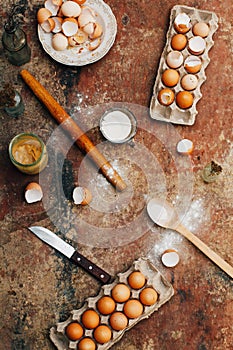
(153,279)
(173,113)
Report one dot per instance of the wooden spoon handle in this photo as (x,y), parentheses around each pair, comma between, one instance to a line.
(69,125)
(206,250)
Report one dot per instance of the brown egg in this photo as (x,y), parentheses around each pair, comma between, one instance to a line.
(106,305)
(136,280)
(189,82)
(102,334)
(175,59)
(170,77)
(90,319)
(74,331)
(133,308)
(184,99)
(148,296)
(86,344)
(120,293)
(118,321)
(202,29)
(178,42)
(166,96)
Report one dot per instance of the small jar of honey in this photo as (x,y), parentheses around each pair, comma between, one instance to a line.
(28,153)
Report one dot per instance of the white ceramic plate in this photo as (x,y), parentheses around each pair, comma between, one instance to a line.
(75,56)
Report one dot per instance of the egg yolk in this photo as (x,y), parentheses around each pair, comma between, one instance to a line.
(90,319)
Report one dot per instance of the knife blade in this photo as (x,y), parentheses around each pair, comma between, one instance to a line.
(66,249)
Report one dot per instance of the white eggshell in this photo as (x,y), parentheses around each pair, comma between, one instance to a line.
(49,4)
(85,18)
(58,22)
(43,14)
(175,59)
(184,146)
(69,27)
(70,9)
(89,28)
(59,42)
(170,258)
(33,192)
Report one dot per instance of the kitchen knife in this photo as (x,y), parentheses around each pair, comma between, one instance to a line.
(56,242)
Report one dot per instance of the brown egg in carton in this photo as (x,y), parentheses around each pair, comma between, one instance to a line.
(153,281)
(171,111)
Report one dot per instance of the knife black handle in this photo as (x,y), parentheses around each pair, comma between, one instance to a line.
(91,268)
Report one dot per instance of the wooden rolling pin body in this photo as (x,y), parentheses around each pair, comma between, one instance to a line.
(68,124)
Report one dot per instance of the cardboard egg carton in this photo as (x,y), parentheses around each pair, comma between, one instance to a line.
(154,279)
(173,113)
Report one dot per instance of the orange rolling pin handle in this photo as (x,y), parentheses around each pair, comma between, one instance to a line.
(69,125)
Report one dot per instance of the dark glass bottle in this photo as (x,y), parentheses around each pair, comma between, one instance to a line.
(14,41)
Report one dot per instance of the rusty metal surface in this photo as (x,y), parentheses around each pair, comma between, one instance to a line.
(39,287)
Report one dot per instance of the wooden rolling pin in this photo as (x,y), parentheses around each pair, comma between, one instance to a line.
(69,125)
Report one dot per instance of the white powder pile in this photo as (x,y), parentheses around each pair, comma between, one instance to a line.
(116,126)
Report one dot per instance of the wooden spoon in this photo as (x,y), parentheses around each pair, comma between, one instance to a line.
(164,214)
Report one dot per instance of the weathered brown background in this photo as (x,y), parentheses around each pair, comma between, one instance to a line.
(39,287)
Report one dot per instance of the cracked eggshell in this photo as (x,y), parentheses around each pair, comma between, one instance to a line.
(166,96)
(175,59)
(69,26)
(57,2)
(80,2)
(58,22)
(52,7)
(79,38)
(196,45)
(94,44)
(59,42)
(33,192)
(89,28)
(184,146)
(189,82)
(81,195)
(48,25)
(192,64)
(43,14)
(70,9)
(98,30)
(85,18)
(170,258)
(182,23)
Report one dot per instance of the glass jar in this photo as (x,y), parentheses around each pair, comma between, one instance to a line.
(14,41)
(28,153)
(18,108)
